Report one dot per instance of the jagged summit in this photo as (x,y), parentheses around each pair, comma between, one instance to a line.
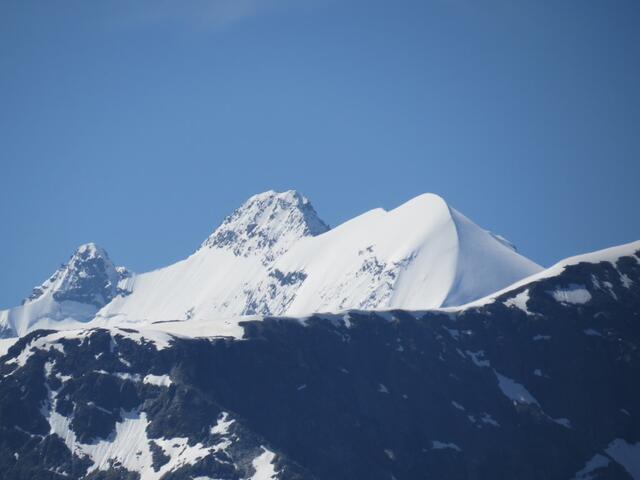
(75,292)
(267,223)
(90,249)
(88,277)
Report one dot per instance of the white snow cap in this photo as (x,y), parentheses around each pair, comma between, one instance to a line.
(91,250)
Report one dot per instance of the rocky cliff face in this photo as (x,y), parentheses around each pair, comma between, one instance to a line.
(538,382)
(89,277)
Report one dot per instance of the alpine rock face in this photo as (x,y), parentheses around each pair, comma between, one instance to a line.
(275,256)
(537,381)
(267,224)
(74,293)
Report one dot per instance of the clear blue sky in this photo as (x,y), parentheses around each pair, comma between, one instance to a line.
(140,125)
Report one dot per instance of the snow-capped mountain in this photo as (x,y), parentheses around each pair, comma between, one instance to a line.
(536,382)
(75,292)
(275,256)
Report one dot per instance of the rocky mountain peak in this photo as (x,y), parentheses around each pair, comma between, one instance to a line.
(267,224)
(89,277)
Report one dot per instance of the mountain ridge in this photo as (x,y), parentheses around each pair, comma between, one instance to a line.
(275,256)
(380,259)
(538,382)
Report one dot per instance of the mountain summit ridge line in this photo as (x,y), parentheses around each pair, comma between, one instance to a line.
(274,255)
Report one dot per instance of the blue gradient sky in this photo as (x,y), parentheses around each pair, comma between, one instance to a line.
(140,125)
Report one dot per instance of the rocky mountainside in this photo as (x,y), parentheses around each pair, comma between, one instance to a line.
(267,224)
(75,291)
(538,381)
(275,256)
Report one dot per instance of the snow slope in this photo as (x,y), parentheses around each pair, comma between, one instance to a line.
(279,260)
(610,255)
(231,327)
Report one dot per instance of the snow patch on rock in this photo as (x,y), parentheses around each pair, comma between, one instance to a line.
(573,294)
(597,462)
(263,466)
(627,455)
(519,301)
(438,445)
(514,390)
